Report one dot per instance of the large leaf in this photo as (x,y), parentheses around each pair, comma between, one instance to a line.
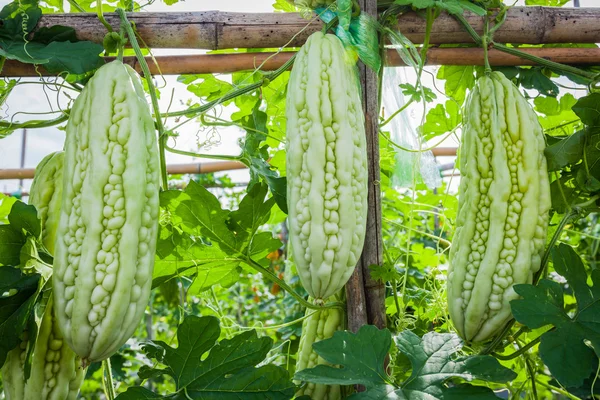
(18,294)
(563,348)
(458,80)
(228,371)
(433,358)
(566,151)
(56,48)
(588,109)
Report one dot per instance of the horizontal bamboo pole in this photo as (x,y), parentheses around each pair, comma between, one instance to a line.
(226,30)
(192,168)
(173,169)
(228,63)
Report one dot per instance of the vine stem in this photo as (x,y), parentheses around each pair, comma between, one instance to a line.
(398,111)
(561,226)
(76,5)
(101,16)
(558,390)
(109,389)
(484,43)
(542,61)
(41,123)
(162,138)
(272,277)
(531,372)
(210,156)
(519,352)
(510,50)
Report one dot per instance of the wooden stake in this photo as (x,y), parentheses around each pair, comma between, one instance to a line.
(365,296)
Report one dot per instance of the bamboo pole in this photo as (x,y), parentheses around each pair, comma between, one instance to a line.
(226,30)
(192,168)
(173,169)
(235,62)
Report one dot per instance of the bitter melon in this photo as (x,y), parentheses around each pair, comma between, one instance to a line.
(504,199)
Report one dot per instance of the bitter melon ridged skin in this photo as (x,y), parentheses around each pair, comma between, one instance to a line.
(504,200)
(326,166)
(46,194)
(109,217)
(319,326)
(56,371)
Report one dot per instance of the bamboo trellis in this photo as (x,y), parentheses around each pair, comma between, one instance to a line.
(221,30)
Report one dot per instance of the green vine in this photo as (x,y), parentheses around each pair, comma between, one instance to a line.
(513,51)
(162,137)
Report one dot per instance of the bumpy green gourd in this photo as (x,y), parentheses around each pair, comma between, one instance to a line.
(109,217)
(46,194)
(326,166)
(319,326)
(504,199)
(56,371)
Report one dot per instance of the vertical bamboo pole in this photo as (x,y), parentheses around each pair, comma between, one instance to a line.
(365,297)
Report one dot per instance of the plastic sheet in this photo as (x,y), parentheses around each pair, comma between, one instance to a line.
(403,132)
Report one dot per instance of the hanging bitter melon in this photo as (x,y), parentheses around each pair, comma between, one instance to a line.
(504,199)
(109,214)
(326,166)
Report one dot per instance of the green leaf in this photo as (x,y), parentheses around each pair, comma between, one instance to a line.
(201,214)
(209,89)
(458,80)
(262,244)
(253,211)
(592,154)
(23,218)
(466,391)
(440,120)
(255,156)
(212,274)
(564,349)
(51,47)
(284,5)
(452,6)
(419,4)
(55,33)
(411,91)
(548,3)
(138,393)
(560,118)
(534,78)
(361,356)
(588,109)
(433,359)
(11,242)
(18,295)
(75,58)
(227,372)
(6,204)
(565,152)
